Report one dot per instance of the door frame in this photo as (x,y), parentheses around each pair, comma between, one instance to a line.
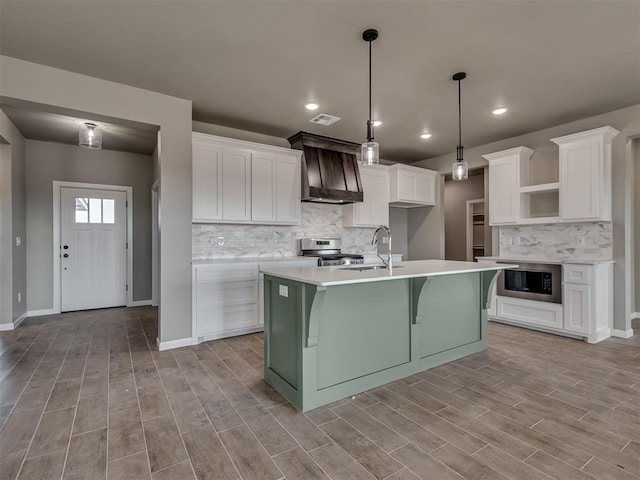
(155,251)
(57,187)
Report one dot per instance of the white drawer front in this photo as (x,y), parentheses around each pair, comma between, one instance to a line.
(232,272)
(576,274)
(527,311)
(217,295)
(219,320)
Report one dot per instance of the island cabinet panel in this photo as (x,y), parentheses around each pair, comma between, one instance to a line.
(444,321)
(377,338)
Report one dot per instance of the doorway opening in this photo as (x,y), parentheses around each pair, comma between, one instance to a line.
(467,234)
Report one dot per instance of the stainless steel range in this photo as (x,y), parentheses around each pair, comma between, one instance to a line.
(328,252)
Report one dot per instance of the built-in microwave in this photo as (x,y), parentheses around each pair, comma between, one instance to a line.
(532,281)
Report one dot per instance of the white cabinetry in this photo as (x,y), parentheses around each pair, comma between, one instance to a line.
(587,298)
(504,184)
(411,186)
(225,300)
(374,210)
(275,188)
(585,175)
(244,182)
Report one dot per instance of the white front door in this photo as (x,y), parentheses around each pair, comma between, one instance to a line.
(93,248)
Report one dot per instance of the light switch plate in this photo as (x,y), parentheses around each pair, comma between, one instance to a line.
(283,290)
(221,241)
(18,241)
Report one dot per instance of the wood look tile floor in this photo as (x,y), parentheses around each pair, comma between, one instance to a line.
(86,395)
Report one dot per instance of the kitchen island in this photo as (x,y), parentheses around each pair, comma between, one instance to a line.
(332,332)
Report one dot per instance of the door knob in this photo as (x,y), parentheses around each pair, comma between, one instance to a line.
(66,255)
(66,247)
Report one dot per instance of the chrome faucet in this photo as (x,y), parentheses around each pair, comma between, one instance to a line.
(374,241)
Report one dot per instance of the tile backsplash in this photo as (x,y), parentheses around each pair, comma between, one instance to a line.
(558,241)
(317,220)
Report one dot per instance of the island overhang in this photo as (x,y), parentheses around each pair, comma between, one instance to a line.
(331,332)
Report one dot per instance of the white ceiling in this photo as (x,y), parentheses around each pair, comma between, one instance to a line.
(254,64)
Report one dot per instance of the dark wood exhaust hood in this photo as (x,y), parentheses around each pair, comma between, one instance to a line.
(329,169)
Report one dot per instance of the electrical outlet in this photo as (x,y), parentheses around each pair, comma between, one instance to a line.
(283,290)
(385,240)
(221,241)
(516,240)
(580,241)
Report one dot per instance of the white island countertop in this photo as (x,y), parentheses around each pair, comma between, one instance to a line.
(328,276)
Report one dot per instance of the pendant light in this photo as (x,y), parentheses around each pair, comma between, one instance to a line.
(90,136)
(460,168)
(370,149)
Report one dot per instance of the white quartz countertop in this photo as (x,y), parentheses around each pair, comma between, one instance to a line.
(213,261)
(328,276)
(544,260)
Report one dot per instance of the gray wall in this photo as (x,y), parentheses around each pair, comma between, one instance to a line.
(398,225)
(46,162)
(636,205)
(425,233)
(456,195)
(81,95)
(13,278)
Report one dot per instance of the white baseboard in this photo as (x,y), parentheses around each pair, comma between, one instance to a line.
(12,325)
(139,303)
(181,342)
(40,313)
(622,333)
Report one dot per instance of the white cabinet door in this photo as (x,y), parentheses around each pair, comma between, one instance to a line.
(585,175)
(504,192)
(287,189)
(263,187)
(207,182)
(411,186)
(577,307)
(374,209)
(236,184)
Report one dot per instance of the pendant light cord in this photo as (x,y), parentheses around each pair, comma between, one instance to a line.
(459,116)
(369,123)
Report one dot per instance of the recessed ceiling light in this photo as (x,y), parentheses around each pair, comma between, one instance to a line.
(425,136)
(311,106)
(377,123)
(499,111)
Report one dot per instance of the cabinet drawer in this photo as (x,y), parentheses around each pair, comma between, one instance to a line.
(576,274)
(527,311)
(216,295)
(233,272)
(226,320)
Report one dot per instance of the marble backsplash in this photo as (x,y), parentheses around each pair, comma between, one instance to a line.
(317,220)
(557,241)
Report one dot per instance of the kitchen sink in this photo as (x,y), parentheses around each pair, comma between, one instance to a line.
(362,268)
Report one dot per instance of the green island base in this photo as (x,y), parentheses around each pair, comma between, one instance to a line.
(325,343)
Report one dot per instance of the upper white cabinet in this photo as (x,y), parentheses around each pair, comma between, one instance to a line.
(244,182)
(582,191)
(411,186)
(585,175)
(374,210)
(504,184)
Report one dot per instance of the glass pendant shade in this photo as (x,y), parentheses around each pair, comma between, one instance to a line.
(460,170)
(90,136)
(370,153)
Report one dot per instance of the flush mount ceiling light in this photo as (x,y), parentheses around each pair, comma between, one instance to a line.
(311,106)
(370,149)
(460,168)
(90,136)
(425,135)
(499,111)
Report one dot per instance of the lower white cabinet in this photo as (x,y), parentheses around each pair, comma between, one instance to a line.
(228,298)
(225,300)
(586,310)
(587,292)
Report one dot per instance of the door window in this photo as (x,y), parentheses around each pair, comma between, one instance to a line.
(95,210)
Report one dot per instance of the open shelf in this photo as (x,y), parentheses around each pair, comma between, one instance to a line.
(541,188)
